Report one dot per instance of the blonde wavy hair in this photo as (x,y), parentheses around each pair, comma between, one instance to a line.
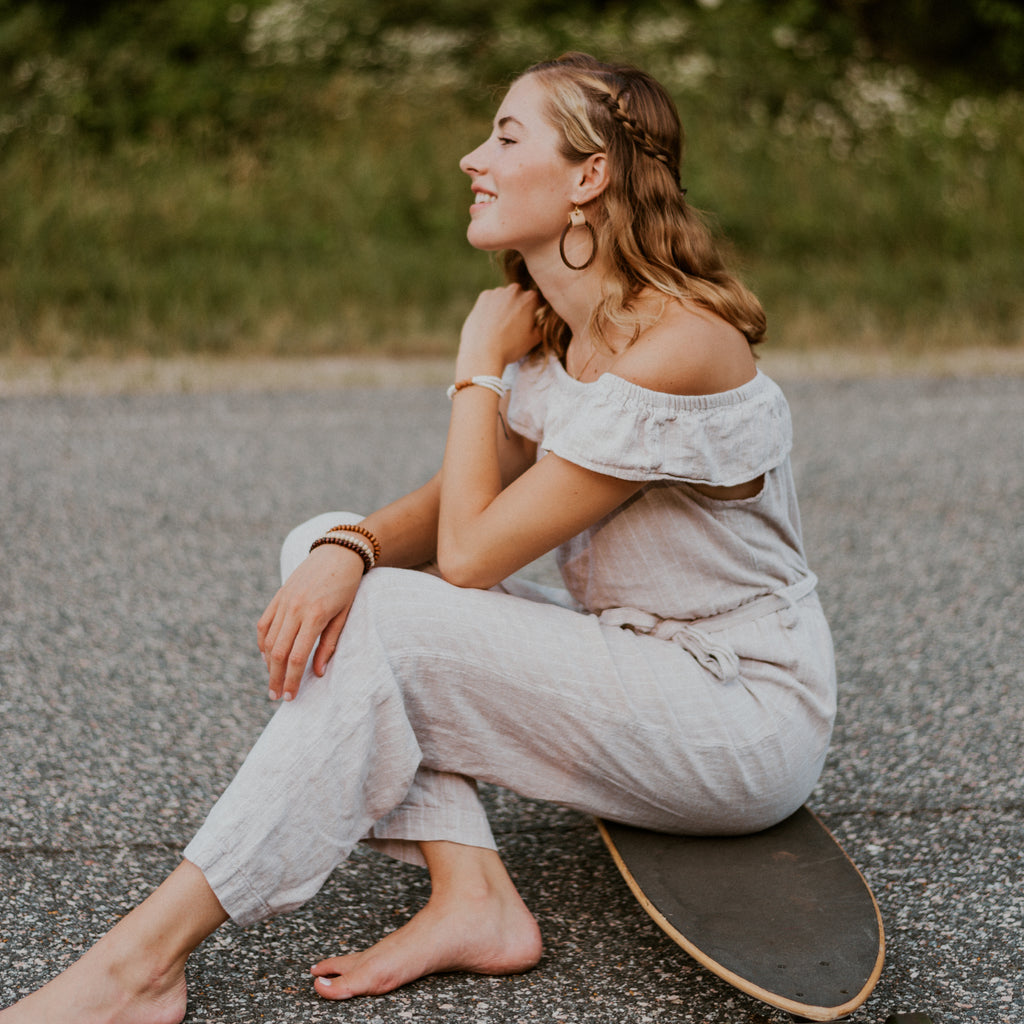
(649,234)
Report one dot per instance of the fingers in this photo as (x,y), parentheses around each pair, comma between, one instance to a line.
(286,638)
(269,627)
(264,625)
(287,662)
(329,642)
(312,606)
(501,324)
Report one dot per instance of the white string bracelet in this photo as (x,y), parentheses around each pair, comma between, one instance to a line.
(495,384)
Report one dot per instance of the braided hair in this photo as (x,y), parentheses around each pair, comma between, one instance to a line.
(639,135)
(651,236)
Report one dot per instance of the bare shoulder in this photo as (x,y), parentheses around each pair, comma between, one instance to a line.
(688,351)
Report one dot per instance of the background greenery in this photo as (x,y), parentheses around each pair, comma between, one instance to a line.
(280,176)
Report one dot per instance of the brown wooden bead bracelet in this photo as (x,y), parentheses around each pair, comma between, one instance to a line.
(357,528)
(360,547)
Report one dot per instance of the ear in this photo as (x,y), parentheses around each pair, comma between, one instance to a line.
(592,179)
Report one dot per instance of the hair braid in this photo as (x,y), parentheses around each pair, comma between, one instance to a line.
(637,133)
(651,236)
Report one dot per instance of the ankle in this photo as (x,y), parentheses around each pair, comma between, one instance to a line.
(136,963)
(470,872)
(155,940)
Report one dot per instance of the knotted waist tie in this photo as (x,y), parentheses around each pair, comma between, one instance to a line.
(695,635)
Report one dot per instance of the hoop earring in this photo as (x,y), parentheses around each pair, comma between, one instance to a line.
(577,220)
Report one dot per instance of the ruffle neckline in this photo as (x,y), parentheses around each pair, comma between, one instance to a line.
(617,427)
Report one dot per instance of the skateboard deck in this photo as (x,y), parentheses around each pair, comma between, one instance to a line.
(783,915)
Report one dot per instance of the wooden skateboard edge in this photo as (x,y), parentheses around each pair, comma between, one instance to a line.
(797,1009)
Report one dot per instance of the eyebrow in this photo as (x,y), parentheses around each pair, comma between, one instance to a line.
(508,119)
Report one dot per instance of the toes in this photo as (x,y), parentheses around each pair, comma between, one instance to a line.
(328,980)
(327,967)
(344,977)
(332,988)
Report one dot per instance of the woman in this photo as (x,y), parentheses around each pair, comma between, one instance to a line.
(685,680)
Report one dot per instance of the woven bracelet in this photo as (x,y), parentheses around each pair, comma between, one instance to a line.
(495,384)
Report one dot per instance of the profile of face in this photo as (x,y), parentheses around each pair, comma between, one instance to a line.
(523,187)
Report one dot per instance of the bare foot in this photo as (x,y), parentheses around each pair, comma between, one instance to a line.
(135,974)
(483,935)
(102,989)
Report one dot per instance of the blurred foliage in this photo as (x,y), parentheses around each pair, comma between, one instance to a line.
(205,68)
(280,174)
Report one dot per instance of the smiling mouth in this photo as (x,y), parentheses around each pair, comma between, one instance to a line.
(484,197)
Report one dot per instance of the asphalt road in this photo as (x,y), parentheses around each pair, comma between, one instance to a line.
(140,537)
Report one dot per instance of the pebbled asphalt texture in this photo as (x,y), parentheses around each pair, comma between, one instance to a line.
(139,545)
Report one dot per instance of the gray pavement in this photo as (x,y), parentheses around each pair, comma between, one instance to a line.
(139,545)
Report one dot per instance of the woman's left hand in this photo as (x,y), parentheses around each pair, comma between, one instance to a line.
(309,611)
(500,329)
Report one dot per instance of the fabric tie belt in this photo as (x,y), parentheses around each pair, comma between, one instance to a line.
(695,635)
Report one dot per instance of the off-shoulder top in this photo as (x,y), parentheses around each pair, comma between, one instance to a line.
(670,551)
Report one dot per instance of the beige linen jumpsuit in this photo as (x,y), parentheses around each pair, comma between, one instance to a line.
(683,682)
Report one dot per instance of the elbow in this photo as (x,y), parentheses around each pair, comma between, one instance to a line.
(463,569)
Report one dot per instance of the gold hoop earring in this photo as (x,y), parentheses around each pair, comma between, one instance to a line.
(577,220)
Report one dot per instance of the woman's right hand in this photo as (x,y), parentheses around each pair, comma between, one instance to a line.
(312,605)
(500,329)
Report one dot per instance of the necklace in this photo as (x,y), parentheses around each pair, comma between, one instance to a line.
(586,365)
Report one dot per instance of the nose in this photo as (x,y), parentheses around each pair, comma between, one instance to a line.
(472,163)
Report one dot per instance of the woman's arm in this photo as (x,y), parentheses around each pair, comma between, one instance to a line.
(310,608)
(488,528)
(486,535)
(407,528)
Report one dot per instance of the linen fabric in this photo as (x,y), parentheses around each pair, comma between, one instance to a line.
(671,551)
(683,681)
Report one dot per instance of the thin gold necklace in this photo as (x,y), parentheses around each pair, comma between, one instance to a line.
(586,365)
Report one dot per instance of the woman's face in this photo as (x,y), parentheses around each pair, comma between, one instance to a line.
(522,185)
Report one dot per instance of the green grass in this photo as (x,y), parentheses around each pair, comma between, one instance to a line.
(307,246)
(351,238)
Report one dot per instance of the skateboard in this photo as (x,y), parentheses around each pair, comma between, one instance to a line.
(783,915)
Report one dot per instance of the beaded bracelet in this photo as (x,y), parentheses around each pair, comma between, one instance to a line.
(495,384)
(360,547)
(357,528)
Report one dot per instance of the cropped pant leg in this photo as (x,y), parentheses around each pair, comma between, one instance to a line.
(430,791)
(433,686)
